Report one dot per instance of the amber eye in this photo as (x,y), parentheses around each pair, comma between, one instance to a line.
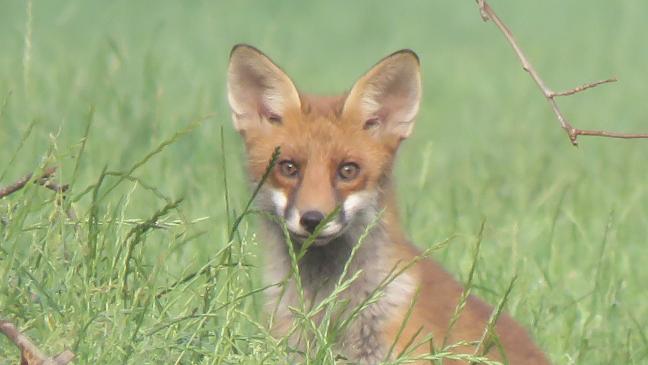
(288,168)
(348,171)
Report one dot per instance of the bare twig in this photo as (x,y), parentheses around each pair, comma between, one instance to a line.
(29,353)
(44,180)
(584,87)
(487,13)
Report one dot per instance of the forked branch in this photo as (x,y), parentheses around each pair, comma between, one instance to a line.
(487,13)
(30,354)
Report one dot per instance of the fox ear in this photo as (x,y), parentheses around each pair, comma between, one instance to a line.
(258,91)
(386,99)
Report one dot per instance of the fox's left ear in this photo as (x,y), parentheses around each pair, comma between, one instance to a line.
(386,99)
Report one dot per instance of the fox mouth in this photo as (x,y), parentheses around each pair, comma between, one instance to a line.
(319,240)
(318,237)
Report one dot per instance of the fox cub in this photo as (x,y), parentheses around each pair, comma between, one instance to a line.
(337,153)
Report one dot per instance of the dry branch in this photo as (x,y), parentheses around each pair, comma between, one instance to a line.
(487,13)
(44,180)
(30,354)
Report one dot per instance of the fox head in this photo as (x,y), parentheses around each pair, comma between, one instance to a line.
(336,152)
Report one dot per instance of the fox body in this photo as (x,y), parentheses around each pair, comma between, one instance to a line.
(336,156)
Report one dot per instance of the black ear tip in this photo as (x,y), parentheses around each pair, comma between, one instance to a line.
(408,52)
(242,47)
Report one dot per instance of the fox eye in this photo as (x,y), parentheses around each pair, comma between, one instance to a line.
(348,171)
(288,168)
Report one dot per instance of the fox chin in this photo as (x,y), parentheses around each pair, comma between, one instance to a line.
(333,180)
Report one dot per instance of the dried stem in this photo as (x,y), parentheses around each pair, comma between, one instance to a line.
(487,13)
(29,353)
(584,87)
(44,180)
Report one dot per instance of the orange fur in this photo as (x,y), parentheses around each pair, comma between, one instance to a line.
(318,135)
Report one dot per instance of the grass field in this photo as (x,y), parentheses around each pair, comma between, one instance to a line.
(127,99)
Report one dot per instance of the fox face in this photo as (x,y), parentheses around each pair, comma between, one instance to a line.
(336,152)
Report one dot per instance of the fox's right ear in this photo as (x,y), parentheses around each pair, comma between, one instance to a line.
(259,92)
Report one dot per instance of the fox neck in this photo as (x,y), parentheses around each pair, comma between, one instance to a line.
(321,269)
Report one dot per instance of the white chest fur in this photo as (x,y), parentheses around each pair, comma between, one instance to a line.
(377,293)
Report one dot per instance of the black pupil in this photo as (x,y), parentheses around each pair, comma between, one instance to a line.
(289,168)
(348,170)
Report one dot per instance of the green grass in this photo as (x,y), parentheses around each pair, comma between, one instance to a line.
(127,98)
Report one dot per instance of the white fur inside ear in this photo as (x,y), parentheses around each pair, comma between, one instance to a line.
(370,105)
(273,102)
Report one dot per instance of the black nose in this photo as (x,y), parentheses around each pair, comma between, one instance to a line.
(311,219)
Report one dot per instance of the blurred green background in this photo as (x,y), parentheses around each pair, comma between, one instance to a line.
(570,222)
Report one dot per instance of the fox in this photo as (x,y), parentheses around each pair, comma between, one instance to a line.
(332,178)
